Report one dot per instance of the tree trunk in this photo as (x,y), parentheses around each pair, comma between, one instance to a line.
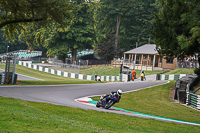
(74,52)
(117,33)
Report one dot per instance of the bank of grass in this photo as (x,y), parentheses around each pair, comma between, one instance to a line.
(49,79)
(103,70)
(24,116)
(181,71)
(155,101)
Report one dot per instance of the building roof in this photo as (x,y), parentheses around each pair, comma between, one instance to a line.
(145,49)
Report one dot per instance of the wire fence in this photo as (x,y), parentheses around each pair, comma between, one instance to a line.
(76,66)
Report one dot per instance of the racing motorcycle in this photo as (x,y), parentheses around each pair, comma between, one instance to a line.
(142,76)
(104,104)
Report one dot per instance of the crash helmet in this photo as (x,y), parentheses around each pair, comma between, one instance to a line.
(119,92)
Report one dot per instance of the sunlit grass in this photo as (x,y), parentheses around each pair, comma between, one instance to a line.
(23,116)
(155,101)
(181,71)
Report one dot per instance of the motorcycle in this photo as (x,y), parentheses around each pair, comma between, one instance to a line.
(104,104)
(142,76)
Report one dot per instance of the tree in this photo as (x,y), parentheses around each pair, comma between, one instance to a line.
(137,24)
(105,49)
(78,35)
(177,28)
(14,14)
(189,40)
(130,19)
(112,13)
(167,27)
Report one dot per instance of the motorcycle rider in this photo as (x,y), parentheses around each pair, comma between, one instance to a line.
(116,94)
(144,74)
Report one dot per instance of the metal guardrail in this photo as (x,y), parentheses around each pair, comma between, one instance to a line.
(193,100)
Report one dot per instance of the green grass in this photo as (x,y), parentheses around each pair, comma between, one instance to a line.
(49,79)
(181,71)
(102,70)
(23,116)
(155,101)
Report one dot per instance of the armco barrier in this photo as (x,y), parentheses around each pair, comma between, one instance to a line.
(193,100)
(68,74)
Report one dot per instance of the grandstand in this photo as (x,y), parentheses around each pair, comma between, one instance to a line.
(82,53)
(23,54)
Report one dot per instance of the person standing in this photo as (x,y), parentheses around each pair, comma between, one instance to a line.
(133,74)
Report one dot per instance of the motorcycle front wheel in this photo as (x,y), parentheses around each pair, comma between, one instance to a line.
(109,104)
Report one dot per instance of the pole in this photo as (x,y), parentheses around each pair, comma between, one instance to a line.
(79,65)
(13,76)
(7,51)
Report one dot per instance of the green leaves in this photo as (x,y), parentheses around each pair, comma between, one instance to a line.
(168,28)
(16,14)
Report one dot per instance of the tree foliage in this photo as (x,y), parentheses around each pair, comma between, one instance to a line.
(14,14)
(13,45)
(105,49)
(167,27)
(138,23)
(135,17)
(79,34)
(177,28)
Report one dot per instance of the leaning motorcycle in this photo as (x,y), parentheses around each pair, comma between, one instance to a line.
(142,76)
(106,105)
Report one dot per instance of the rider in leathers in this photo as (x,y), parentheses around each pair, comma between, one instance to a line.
(115,94)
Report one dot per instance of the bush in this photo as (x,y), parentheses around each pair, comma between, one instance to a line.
(197,71)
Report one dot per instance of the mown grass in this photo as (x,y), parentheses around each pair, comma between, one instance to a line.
(23,116)
(181,71)
(49,79)
(155,101)
(103,70)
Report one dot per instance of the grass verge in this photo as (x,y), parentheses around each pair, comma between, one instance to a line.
(102,70)
(23,116)
(181,71)
(49,79)
(155,101)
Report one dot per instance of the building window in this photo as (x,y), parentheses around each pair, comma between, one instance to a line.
(160,59)
(151,58)
(169,60)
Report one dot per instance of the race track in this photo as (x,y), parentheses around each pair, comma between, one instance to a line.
(66,94)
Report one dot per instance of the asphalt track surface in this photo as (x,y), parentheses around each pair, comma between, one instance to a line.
(66,95)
